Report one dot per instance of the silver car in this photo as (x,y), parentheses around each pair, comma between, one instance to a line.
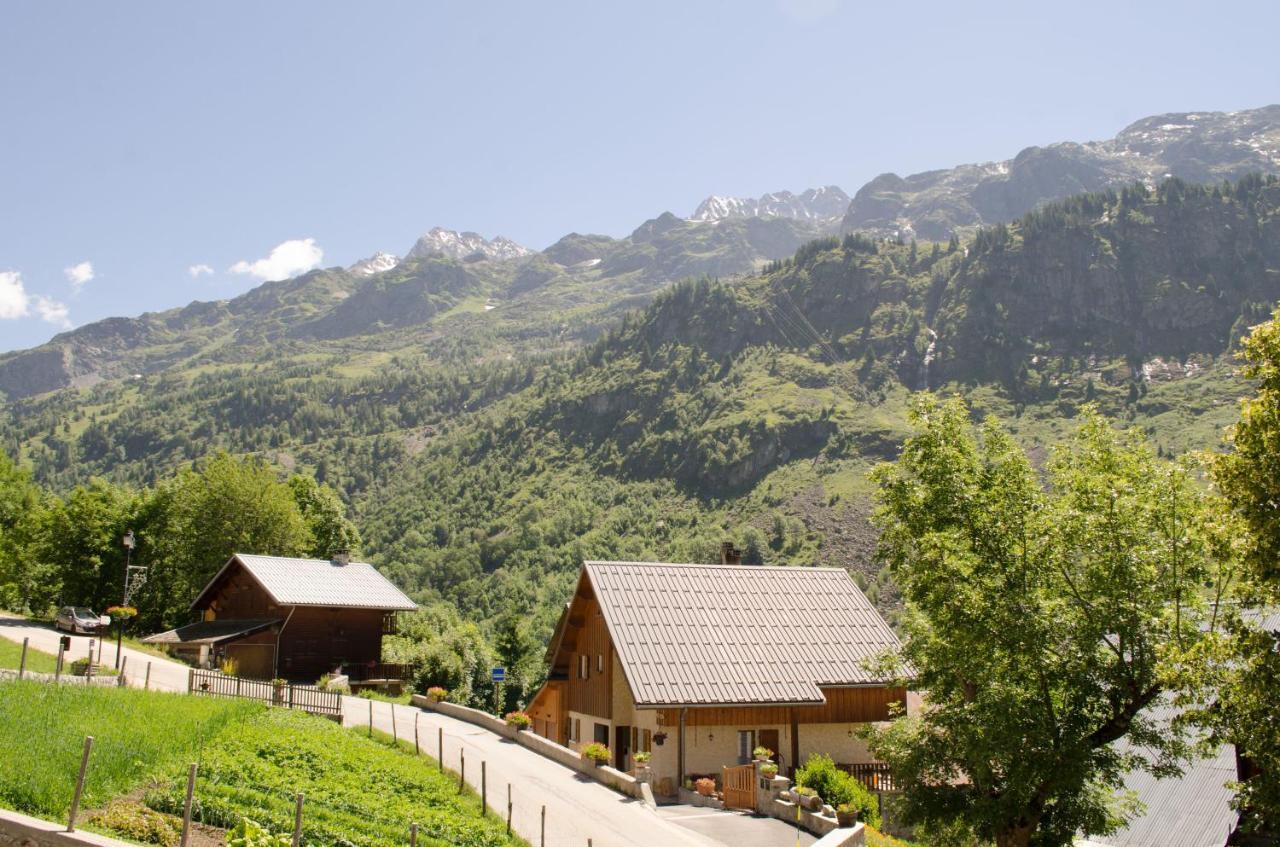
(79,619)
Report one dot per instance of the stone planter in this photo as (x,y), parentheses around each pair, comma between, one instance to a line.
(846,819)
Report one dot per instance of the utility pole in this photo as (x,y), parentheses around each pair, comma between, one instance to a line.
(124,600)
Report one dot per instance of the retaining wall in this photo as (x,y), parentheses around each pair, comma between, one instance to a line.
(18,830)
(604,774)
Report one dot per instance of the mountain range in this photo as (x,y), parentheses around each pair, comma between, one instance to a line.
(492,415)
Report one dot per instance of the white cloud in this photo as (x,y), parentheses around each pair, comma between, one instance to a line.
(286,259)
(16,303)
(198,271)
(79,275)
(13,296)
(54,312)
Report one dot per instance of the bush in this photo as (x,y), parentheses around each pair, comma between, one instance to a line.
(248,833)
(436,694)
(519,720)
(596,751)
(138,823)
(705,786)
(838,788)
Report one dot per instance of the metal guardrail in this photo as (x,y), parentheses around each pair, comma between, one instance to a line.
(307,698)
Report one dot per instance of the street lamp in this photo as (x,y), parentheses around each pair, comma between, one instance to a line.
(128,542)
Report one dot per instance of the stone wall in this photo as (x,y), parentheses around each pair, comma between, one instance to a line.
(17,830)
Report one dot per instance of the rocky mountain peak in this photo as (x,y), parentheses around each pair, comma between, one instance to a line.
(815,204)
(375,264)
(461,245)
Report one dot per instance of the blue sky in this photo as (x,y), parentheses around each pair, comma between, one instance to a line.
(150,138)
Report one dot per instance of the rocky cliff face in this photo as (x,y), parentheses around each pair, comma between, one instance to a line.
(1193,146)
(466,245)
(816,204)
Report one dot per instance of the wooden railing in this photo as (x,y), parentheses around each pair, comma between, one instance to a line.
(307,698)
(876,776)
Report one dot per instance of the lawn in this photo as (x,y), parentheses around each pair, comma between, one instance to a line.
(252,762)
(37,661)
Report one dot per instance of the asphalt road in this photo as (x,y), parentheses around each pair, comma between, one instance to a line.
(166,675)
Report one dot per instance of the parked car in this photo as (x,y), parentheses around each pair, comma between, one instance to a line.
(77,619)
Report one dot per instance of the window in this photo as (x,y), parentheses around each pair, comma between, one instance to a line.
(746,744)
(602,734)
(599,663)
(583,666)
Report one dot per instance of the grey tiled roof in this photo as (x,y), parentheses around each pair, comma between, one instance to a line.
(737,634)
(320,582)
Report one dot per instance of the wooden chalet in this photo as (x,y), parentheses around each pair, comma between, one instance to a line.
(699,664)
(295,619)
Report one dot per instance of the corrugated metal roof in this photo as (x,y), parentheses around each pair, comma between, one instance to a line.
(737,634)
(1193,810)
(320,582)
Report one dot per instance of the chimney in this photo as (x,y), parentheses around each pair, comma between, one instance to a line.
(730,555)
(341,557)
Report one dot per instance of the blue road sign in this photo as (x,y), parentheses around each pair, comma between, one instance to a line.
(499,674)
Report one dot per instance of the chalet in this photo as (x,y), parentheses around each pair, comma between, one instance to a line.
(291,618)
(699,664)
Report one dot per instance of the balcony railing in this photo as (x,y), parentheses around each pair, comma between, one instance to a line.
(876,776)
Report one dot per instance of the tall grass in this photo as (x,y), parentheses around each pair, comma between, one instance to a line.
(136,734)
(37,660)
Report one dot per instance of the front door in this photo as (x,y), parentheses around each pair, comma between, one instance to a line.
(769,738)
(621,746)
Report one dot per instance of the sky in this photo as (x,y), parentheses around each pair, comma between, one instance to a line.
(156,153)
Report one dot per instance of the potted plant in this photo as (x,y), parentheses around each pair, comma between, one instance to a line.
(641,759)
(807,798)
(596,753)
(846,815)
(436,694)
(769,770)
(277,690)
(518,720)
(762,753)
(706,786)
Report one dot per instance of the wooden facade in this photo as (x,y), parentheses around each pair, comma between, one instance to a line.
(844,705)
(303,643)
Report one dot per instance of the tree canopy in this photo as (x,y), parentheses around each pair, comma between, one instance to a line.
(1045,615)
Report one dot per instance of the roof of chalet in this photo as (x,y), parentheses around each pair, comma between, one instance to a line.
(1192,810)
(316,582)
(210,632)
(690,634)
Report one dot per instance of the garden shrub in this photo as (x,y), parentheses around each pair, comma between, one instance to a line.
(837,787)
(138,823)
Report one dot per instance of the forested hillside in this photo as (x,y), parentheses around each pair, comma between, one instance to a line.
(481,463)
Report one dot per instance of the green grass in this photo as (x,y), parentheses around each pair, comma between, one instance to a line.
(37,661)
(136,734)
(357,789)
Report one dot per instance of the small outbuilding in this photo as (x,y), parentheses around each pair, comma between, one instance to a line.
(700,664)
(295,619)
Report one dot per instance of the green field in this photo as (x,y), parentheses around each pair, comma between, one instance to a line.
(252,762)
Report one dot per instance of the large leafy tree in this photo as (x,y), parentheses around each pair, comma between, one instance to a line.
(1246,710)
(1045,616)
(24,583)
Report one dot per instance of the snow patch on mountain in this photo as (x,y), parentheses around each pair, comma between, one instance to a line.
(816,204)
(462,245)
(375,264)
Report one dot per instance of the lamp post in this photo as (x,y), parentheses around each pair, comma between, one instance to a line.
(128,542)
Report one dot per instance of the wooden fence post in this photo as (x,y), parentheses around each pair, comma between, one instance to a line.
(22,663)
(440,760)
(297,821)
(88,671)
(395,737)
(124,662)
(462,768)
(191,681)
(416,750)
(543,839)
(484,789)
(371,718)
(413,835)
(186,806)
(57,669)
(75,799)
(146,682)
(508,808)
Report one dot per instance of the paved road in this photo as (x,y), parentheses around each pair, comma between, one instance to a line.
(166,675)
(578,808)
(736,829)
